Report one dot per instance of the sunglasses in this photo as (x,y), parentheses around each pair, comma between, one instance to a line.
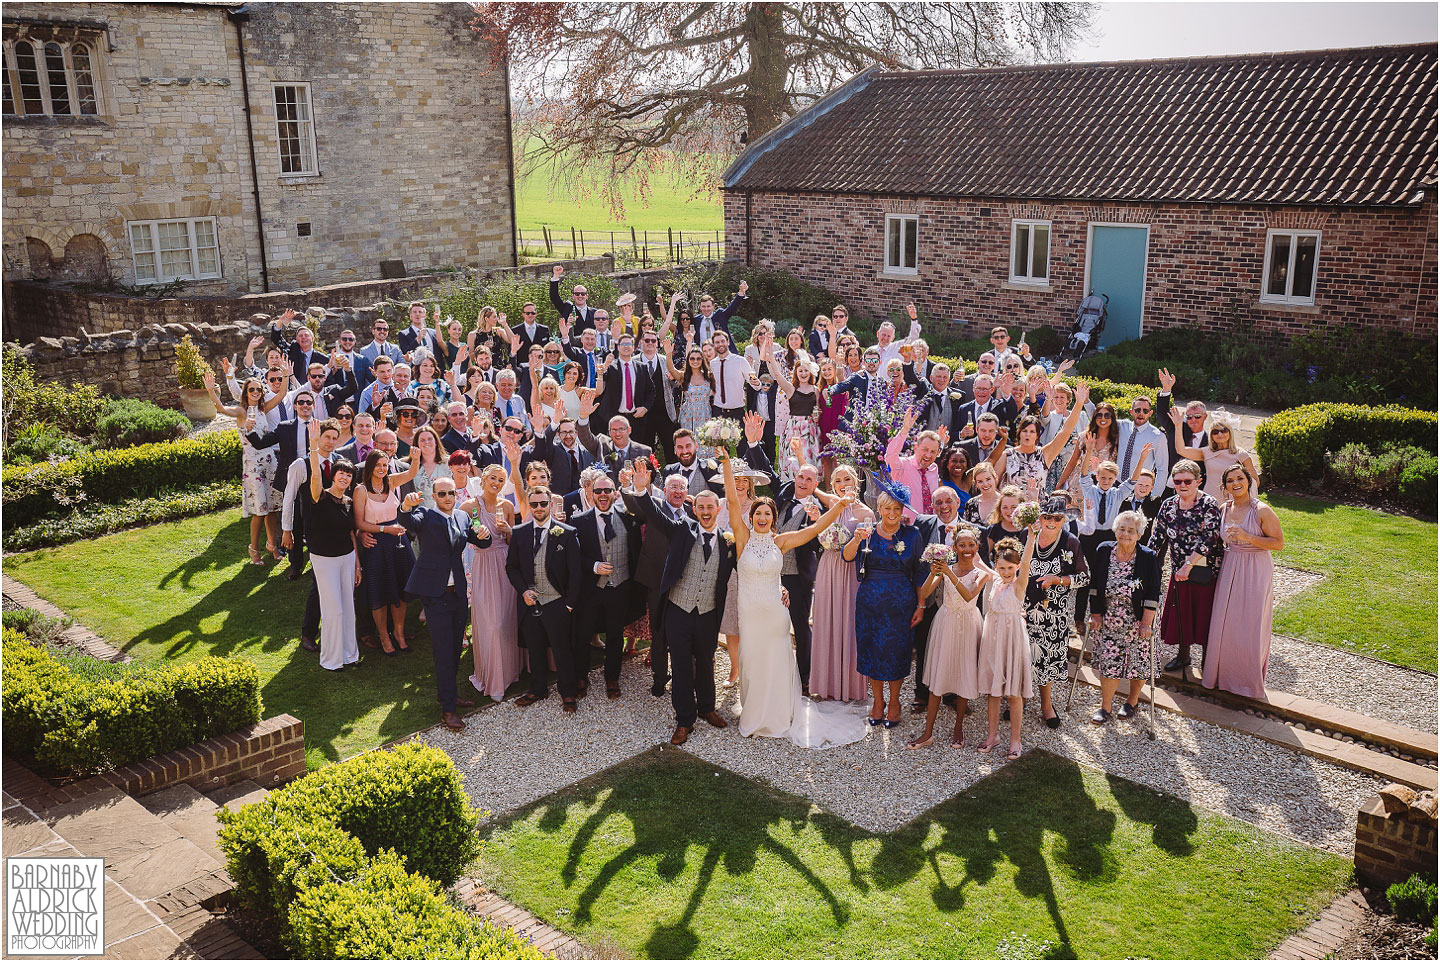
(539,504)
(276,380)
(1140,410)
(444,494)
(602,490)
(380,328)
(1182,482)
(344,417)
(509,430)
(1215,431)
(346,340)
(1194,417)
(304,404)
(411,415)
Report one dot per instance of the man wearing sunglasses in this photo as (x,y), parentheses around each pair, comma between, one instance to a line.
(328,396)
(380,345)
(354,363)
(1137,432)
(292,435)
(299,351)
(610,544)
(1192,433)
(438,578)
(527,334)
(545,566)
(578,312)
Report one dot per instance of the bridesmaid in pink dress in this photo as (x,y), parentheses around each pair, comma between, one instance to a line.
(832,656)
(494,632)
(1238,649)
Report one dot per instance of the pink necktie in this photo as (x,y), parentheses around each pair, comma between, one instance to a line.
(629,395)
(925,504)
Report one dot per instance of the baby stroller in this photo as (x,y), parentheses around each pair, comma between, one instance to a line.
(1088,325)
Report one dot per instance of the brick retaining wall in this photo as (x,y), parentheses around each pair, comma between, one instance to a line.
(1391,846)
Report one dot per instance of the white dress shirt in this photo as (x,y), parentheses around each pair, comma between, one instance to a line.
(731,371)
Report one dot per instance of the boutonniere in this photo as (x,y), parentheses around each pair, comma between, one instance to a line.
(956,396)
(899,546)
(1068,556)
(728,537)
(711,464)
(556,530)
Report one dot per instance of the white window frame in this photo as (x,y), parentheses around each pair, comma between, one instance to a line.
(307,130)
(153,226)
(1295,235)
(913,221)
(1027,279)
(11,66)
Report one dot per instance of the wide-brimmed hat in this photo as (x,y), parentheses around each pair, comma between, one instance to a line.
(623,299)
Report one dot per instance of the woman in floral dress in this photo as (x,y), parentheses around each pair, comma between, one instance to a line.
(698,386)
(1124,596)
(802,422)
(1057,571)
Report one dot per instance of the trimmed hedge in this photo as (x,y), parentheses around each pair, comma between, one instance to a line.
(74,725)
(45,490)
(1292,444)
(347,860)
(102,519)
(128,422)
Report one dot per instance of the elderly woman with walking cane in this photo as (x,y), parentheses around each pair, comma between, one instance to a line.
(1125,594)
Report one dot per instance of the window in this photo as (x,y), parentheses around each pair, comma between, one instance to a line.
(1290,259)
(170,250)
(1030,252)
(49,79)
(295,129)
(901,244)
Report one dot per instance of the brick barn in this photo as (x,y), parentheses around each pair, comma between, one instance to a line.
(1288,189)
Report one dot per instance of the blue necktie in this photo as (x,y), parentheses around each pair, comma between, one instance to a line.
(590,375)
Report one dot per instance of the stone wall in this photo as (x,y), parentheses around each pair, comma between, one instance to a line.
(139,362)
(1376,269)
(410,130)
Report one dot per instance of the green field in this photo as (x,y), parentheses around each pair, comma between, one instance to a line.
(540,199)
(666,856)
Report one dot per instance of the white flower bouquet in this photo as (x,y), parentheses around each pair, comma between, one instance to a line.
(1027,513)
(722,432)
(835,537)
(937,552)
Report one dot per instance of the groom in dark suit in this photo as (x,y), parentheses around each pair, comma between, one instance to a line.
(439,579)
(697,573)
(544,566)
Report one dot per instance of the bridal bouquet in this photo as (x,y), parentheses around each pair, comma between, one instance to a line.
(722,433)
(835,537)
(937,552)
(1027,513)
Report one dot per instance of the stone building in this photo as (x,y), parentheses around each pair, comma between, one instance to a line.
(1288,190)
(250,148)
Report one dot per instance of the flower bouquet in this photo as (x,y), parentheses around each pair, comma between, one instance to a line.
(835,537)
(722,433)
(937,552)
(1027,513)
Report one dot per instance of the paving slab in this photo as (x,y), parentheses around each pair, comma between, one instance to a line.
(237,795)
(125,915)
(23,831)
(189,813)
(156,943)
(142,853)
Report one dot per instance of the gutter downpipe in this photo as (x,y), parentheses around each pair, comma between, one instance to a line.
(510,160)
(240,16)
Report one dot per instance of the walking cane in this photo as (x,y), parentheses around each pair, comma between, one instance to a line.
(1084,637)
(1152,685)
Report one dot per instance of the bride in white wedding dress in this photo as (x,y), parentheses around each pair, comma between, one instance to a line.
(771,703)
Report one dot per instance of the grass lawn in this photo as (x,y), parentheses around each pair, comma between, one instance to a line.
(666,856)
(669,205)
(186,589)
(1378,597)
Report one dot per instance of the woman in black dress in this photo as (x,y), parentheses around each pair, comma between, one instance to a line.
(1057,571)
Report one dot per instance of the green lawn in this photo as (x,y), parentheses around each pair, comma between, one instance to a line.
(669,857)
(540,200)
(1378,597)
(186,589)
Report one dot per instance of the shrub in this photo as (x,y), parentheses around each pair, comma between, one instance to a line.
(102,519)
(1418,483)
(38,629)
(41,442)
(1292,444)
(347,859)
(388,913)
(128,422)
(72,725)
(190,367)
(1356,468)
(27,402)
(509,294)
(1413,899)
(41,490)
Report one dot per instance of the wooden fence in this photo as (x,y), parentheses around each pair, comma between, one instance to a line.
(631,247)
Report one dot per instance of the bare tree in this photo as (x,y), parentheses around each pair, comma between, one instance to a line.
(607,89)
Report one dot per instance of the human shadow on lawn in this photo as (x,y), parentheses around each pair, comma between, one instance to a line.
(729,823)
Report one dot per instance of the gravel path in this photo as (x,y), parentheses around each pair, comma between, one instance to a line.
(512,756)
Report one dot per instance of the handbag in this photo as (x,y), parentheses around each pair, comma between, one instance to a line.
(1202,574)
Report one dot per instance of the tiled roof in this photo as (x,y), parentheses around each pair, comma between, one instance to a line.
(1331,127)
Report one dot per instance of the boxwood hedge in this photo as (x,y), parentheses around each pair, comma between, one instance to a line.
(1292,444)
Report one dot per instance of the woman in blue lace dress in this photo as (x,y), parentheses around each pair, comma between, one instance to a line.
(887,604)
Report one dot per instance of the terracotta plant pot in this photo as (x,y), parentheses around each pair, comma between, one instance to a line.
(198,404)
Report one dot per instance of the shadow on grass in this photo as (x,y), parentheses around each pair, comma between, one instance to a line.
(1034,814)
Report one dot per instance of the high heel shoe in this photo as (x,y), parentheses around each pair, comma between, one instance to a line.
(255,557)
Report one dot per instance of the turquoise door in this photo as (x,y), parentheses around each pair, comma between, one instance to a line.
(1117,269)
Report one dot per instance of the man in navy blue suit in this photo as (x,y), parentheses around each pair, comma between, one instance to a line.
(578,314)
(708,320)
(301,351)
(293,437)
(438,578)
(697,573)
(544,565)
